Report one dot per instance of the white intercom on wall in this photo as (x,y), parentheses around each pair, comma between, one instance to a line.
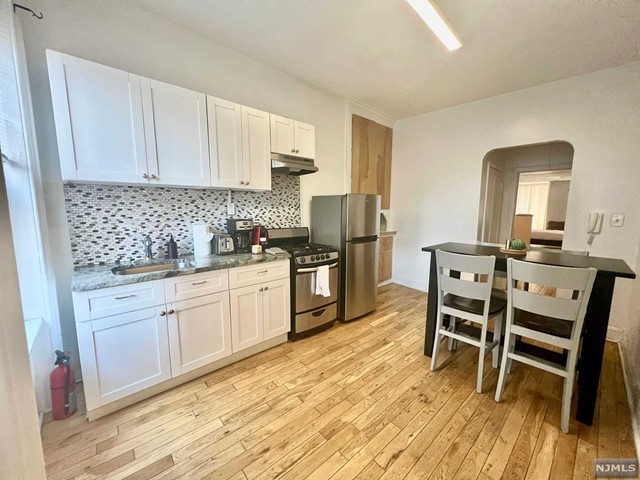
(595,222)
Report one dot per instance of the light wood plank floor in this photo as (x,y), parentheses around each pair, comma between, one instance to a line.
(357,401)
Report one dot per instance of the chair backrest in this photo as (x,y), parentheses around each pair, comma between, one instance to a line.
(576,279)
(479,268)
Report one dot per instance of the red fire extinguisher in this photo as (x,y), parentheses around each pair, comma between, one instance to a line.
(63,387)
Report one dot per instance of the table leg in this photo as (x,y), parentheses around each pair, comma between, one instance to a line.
(595,334)
(432,307)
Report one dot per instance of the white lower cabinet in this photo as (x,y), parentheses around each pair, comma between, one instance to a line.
(259,312)
(123,354)
(246,317)
(199,332)
(136,336)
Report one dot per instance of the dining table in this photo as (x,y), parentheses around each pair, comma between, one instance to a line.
(595,323)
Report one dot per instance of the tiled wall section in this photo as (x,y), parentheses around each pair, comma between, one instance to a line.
(108,222)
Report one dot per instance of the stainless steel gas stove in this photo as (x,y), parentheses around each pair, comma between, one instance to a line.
(310,313)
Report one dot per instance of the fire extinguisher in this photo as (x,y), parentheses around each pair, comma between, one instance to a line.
(63,387)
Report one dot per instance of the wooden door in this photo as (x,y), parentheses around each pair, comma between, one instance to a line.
(199,331)
(282,135)
(247,327)
(256,149)
(130,352)
(98,119)
(305,140)
(371,159)
(225,143)
(175,122)
(277,308)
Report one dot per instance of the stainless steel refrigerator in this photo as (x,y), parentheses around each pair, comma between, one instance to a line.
(351,223)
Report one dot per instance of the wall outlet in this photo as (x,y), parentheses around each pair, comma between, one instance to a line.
(617,219)
(231,208)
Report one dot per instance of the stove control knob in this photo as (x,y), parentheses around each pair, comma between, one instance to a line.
(326,255)
(303,260)
(313,257)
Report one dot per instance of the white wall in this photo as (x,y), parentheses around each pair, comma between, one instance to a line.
(437,163)
(126,37)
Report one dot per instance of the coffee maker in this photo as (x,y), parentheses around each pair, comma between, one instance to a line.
(240,230)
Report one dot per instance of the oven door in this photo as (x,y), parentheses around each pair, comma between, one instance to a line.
(306,299)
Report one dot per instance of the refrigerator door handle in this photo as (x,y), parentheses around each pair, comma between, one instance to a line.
(368,239)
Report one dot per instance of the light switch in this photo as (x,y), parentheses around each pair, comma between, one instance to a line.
(617,219)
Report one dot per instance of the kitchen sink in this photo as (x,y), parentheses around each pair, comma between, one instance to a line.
(157,267)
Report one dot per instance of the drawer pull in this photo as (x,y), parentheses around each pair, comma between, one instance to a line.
(199,283)
(261,272)
(125,296)
(318,313)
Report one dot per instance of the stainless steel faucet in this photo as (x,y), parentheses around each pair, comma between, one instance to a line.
(148,254)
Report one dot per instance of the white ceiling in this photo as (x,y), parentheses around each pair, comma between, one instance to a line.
(379,52)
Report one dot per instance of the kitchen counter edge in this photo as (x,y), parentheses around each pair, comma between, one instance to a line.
(100,276)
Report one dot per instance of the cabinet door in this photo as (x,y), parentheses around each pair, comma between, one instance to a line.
(277,308)
(282,136)
(305,140)
(256,149)
(247,328)
(199,332)
(129,352)
(225,143)
(98,120)
(175,124)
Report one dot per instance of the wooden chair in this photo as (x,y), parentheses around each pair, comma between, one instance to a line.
(551,320)
(468,300)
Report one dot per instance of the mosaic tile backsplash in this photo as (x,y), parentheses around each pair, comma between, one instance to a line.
(107,223)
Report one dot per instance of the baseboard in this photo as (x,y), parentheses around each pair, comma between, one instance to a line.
(386,282)
(633,408)
(615,334)
(423,287)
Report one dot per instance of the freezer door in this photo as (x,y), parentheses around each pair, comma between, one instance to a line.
(362,214)
(361,279)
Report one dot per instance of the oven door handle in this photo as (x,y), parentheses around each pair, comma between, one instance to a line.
(314,269)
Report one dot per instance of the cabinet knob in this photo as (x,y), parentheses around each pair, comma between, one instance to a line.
(260,289)
(153,177)
(171,312)
(297,151)
(293,150)
(266,288)
(241,183)
(246,183)
(163,313)
(144,175)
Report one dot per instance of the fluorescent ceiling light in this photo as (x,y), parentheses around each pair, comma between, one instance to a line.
(436,22)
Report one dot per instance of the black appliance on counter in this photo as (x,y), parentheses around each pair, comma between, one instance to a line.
(310,313)
(240,230)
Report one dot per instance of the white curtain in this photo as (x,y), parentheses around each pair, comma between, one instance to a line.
(533,198)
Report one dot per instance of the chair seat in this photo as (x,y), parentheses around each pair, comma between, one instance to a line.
(540,323)
(472,305)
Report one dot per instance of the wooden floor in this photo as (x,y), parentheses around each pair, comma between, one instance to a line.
(357,401)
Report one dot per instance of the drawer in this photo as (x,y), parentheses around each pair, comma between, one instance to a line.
(309,320)
(105,302)
(198,285)
(254,274)
(386,244)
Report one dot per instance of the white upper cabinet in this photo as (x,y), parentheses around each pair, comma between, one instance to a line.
(291,137)
(239,146)
(175,122)
(225,143)
(282,135)
(256,151)
(305,140)
(99,121)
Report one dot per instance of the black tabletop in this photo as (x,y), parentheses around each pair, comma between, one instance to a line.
(606,266)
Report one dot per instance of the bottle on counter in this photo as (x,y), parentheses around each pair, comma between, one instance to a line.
(172,249)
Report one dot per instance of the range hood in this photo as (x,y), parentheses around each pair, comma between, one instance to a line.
(289,165)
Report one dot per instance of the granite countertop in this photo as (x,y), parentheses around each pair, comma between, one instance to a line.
(101,276)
